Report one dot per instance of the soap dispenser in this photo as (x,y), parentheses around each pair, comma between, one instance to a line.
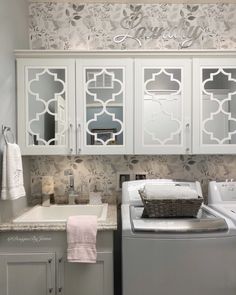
(71,191)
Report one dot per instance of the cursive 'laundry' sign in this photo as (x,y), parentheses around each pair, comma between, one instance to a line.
(184,32)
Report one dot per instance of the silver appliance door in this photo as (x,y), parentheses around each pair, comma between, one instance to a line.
(193,266)
(205,222)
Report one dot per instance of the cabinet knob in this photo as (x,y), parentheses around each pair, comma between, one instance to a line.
(187,150)
(50,290)
(60,289)
(187,125)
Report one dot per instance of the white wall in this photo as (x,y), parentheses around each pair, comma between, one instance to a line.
(13,35)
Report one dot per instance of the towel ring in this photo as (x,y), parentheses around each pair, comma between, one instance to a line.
(6,131)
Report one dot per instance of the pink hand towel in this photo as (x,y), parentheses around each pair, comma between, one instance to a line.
(81,238)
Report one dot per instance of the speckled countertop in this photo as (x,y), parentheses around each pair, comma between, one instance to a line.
(109,224)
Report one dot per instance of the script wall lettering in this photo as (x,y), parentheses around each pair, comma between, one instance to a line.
(184,33)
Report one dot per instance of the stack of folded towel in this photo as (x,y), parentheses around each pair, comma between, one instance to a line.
(161,191)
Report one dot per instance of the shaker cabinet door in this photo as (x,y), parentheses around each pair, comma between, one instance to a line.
(214,105)
(162,106)
(104,96)
(86,278)
(27,274)
(46,106)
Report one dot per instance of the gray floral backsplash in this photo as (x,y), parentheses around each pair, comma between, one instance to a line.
(102,171)
(68,26)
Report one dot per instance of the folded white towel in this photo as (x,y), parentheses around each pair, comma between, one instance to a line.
(12,173)
(81,239)
(169,192)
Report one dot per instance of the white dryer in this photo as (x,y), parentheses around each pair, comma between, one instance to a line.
(181,256)
(222,197)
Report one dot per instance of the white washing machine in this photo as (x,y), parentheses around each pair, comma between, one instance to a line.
(176,256)
(222,197)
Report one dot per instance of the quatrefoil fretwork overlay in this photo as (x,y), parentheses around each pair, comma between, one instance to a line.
(46,100)
(104,106)
(162,106)
(218,106)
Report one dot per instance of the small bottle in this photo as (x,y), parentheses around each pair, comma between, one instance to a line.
(84,193)
(95,197)
(71,191)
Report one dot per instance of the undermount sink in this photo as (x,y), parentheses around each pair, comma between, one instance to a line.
(60,213)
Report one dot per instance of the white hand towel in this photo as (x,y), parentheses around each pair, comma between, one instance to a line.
(169,192)
(12,173)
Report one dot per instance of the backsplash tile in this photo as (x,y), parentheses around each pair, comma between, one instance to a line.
(102,170)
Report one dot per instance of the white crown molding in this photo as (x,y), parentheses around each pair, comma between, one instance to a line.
(125,53)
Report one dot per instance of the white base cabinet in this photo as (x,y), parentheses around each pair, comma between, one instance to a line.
(36,264)
(91,279)
(27,273)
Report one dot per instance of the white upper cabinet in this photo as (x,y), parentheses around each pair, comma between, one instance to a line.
(46,106)
(104,95)
(214,105)
(126,102)
(162,106)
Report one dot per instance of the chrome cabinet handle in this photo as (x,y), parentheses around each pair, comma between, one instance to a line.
(188,143)
(70,137)
(187,125)
(79,138)
(60,270)
(50,278)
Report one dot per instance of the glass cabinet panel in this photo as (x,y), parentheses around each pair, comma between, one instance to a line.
(214,97)
(46,97)
(160,116)
(162,106)
(49,106)
(105,105)
(218,105)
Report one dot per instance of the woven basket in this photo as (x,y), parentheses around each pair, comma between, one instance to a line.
(154,208)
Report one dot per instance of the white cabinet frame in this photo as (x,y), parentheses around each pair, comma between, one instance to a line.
(126,64)
(199,147)
(23,94)
(184,65)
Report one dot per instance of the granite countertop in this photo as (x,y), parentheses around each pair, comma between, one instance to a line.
(109,224)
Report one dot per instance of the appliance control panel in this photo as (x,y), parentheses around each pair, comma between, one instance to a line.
(220,192)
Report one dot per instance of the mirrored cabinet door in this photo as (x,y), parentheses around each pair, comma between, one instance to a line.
(46,106)
(105,106)
(214,92)
(162,106)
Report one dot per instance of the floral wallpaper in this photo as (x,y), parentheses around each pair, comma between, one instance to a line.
(68,26)
(101,171)
(149,26)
